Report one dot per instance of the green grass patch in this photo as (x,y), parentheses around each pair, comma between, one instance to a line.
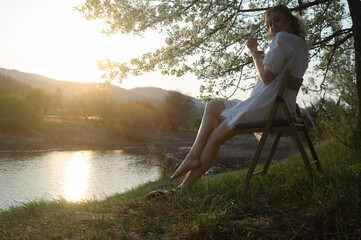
(284,204)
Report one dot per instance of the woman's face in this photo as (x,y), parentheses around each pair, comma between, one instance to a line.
(278,22)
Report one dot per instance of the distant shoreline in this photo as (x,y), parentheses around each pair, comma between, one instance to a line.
(234,155)
(38,142)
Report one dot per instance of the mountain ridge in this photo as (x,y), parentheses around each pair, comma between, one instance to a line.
(69,89)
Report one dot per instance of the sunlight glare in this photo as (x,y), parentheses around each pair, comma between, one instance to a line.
(76,179)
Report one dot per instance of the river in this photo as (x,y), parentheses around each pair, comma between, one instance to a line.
(72,175)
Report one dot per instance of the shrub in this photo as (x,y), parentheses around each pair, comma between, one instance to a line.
(133,118)
(177,109)
(336,120)
(17,114)
(39,98)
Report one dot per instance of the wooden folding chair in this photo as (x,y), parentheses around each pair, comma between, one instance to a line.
(290,124)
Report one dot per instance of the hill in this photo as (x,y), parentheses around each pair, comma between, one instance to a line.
(69,89)
(159,94)
(151,92)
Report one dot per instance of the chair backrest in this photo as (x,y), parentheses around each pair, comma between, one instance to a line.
(290,82)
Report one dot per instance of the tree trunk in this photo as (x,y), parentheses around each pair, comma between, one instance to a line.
(355,11)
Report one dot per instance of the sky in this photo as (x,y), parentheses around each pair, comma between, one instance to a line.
(49,38)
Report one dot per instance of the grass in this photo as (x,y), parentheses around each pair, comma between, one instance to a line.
(284,204)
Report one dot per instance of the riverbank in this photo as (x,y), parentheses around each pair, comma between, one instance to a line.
(62,134)
(284,204)
(234,155)
(68,134)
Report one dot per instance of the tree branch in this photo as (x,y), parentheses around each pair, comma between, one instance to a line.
(299,8)
(335,34)
(309,4)
(335,46)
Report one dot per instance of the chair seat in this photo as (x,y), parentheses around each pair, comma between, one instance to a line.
(280,125)
(277,123)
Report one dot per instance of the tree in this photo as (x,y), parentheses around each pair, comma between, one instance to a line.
(39,98)
(207,38)
(82,103)
(151,117)
(177,109)
(96,102)
(103,104)
(58,98)
(133,118)
(17,114)
(335,113)
(10,85)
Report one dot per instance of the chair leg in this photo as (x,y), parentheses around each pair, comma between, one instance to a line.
(302,150)
(298,140)
(309,142)
(313,151)
(256,156)
(272,151)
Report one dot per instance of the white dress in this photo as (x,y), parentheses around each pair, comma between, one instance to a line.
(286,51)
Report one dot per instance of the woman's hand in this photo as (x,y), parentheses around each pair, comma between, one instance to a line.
(252,44)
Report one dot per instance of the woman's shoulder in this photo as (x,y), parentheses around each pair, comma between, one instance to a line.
(289,39)
(287,36)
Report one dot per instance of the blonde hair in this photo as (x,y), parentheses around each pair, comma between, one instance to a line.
(296,24)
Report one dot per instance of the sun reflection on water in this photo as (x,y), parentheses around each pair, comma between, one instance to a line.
(76,177)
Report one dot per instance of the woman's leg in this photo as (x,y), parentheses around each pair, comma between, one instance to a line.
(216,139)
(209,122)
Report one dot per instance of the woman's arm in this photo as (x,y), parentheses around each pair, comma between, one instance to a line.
(263,72)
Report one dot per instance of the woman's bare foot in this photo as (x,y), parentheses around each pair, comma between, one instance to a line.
(187,165)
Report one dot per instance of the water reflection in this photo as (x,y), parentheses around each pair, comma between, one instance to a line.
(76,177)
(73,175)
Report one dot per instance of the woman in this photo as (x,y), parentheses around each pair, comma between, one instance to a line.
(287,50)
